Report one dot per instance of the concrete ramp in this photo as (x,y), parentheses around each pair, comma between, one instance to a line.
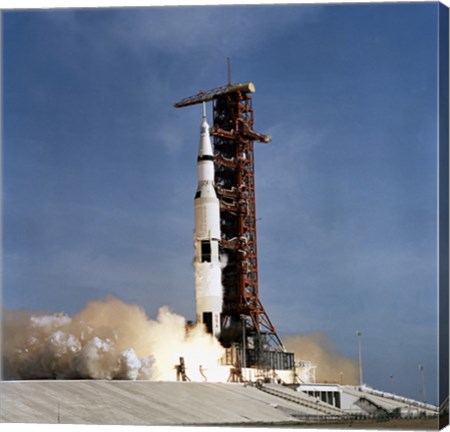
(386,403)
(320,408)
(143,403)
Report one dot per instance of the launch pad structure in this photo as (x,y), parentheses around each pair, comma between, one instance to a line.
(246,329)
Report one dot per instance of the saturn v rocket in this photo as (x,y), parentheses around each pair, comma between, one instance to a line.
(208,274)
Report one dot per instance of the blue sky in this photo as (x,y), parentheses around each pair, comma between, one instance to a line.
(100,169)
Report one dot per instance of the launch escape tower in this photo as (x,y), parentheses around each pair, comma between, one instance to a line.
(246,327)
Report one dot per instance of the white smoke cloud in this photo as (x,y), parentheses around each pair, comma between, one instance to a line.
(108,339)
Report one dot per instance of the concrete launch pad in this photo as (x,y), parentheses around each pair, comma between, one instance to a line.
(163,403)
(139,403)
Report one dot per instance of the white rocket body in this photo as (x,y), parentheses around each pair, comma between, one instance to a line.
(208,273)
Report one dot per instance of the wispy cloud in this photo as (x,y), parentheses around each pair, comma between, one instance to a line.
(173,30)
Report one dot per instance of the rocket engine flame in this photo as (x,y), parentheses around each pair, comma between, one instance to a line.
(108,339)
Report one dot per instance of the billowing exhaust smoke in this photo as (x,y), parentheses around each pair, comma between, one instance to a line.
(331,366)
(108,339)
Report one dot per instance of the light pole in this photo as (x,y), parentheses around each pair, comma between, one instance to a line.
(422,378)
(392,384)
(359,334)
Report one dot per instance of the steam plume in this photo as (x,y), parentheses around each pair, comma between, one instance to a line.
(108,339)
(320,351)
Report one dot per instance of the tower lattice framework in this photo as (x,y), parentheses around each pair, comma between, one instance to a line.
(244,320)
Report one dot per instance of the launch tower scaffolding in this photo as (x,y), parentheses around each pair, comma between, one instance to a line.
(245,322)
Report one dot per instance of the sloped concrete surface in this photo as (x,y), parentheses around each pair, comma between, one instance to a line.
(142,403)
(319,407)
(388,403)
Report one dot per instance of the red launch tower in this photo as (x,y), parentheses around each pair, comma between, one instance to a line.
(245,323)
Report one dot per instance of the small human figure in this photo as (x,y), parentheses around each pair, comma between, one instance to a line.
(202,373)
(181,371)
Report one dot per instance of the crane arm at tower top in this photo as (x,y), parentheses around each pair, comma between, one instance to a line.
(205,96)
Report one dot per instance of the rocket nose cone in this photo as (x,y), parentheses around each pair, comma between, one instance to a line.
(204,127)
(205,147)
